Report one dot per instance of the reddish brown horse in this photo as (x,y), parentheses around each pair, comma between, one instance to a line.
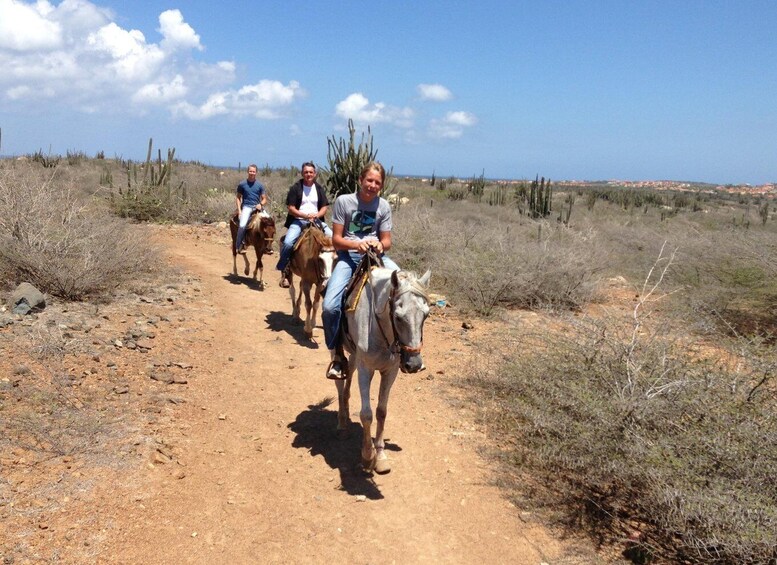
(311,261)
(260,233)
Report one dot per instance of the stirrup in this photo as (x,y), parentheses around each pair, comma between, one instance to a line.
(335,374)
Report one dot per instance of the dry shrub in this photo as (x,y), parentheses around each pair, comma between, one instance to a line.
(635,429)
(487,257)
(62,245)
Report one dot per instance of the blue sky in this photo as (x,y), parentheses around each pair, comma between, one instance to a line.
(633,90)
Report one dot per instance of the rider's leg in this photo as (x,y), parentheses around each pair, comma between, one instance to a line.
(389,264)
(333,307)
(327,229)
(245,214)
(292,235)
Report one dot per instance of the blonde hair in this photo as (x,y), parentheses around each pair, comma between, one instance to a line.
(373,166)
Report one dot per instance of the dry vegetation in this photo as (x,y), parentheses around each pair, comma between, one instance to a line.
(644,410)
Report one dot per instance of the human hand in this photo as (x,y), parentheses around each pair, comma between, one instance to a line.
(364,246)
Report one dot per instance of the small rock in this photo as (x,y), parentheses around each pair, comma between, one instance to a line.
(467,326)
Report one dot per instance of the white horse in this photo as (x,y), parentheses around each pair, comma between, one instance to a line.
(385,334)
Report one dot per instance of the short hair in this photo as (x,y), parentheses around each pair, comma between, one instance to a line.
(373,166)
(252,165)
(308,164)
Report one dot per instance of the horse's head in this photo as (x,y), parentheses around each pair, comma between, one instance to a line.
(409,310)
(326,254)
(326,262)
(267,229)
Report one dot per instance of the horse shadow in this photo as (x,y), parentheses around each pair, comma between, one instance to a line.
(247,281)
(283,322)
(316,431)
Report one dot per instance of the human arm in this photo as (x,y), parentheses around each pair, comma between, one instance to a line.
(339,242)
(239,202)
(262,201)
(294,211)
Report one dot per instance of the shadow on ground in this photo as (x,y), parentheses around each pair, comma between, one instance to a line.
(247,281)
(316,430)
(282,322)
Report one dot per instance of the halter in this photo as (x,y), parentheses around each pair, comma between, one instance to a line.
(396,345)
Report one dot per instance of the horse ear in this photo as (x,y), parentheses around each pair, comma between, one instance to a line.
(394,279)
(424,281)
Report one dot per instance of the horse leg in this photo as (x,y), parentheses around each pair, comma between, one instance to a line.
(295,300)
(387,378)
(233,231)
(259,267)
(248,266)
(308,307)
(343,404)
(314,309)
(368,450)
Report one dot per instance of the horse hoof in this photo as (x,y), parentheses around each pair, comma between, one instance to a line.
(382,466)
(368,465)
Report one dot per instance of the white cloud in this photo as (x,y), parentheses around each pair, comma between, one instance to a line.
(434,92)
(24,27)
(158,93)
(461,118)
(265,100)
(452,125)
(73,53)
(357,107)
(176,32)
(130,56)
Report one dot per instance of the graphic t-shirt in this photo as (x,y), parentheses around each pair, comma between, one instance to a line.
(361,220)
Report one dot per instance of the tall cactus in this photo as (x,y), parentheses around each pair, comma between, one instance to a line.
(540,198)
(346,161)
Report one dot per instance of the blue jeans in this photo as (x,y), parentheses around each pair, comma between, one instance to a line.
(333,298)
(292,235)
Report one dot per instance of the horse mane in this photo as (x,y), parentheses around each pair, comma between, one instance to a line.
(324,242)
(410,279)
(259,221)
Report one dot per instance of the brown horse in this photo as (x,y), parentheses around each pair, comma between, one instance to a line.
(311,261)
(260,233)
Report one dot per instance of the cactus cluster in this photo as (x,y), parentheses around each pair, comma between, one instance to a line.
(148,191)
(477,186)
(540,198)
(346,161)
(48,161)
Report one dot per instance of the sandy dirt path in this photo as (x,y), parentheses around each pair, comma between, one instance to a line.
(256,473)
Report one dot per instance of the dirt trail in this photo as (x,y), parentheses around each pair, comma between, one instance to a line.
(256,474)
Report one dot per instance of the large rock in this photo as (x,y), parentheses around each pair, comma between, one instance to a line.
(25,299)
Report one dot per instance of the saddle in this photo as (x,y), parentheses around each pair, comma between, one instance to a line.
(235,218)
(315,224)
(353,290)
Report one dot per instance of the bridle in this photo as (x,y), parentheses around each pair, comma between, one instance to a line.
(397,345)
